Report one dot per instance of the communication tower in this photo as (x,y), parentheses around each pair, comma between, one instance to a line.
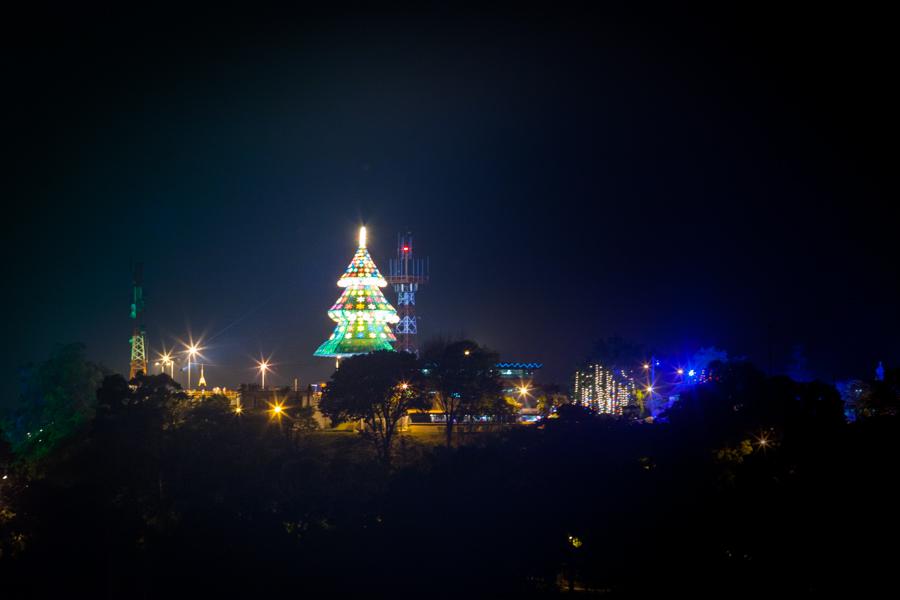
(138,347)
(407,273)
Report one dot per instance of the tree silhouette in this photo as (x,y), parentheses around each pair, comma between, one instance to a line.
(56,403)
(379,388)
(463,378)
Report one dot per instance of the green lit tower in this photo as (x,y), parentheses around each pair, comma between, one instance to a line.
(138,347)
(363,315)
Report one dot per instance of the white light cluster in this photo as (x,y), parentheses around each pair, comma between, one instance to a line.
(602,390)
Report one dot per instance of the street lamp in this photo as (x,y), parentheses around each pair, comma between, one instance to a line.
(278,412)
(165,360)
(763,441)
(192,351)
(263,366)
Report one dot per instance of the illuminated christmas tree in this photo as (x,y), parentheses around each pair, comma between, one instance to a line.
(362,313)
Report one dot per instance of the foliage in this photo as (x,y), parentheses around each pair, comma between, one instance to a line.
(462,377)
(165,493)
(57,401)
(304,419)
(550,399)
(378,388)
(879,398)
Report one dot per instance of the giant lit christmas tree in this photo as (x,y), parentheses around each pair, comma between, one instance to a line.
(362,313)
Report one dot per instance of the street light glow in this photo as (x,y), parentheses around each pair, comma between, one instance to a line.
(263,366)
(192,350)
(165,360)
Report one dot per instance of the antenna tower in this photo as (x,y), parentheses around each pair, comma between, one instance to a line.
(138,348)
(406,275)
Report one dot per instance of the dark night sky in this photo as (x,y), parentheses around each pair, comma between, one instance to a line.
(678,181)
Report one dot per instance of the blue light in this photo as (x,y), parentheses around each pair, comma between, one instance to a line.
(691,373)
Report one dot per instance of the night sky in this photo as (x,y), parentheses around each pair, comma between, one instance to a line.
(681,182)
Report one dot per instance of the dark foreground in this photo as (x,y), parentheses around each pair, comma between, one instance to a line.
(753,486)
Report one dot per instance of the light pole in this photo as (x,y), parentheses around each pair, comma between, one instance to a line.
(191,352)
(263,366)
(165,360)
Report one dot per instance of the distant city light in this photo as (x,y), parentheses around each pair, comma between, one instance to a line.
(763,441)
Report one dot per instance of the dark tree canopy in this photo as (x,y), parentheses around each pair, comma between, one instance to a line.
(378,388)
(464,379)
(57,400)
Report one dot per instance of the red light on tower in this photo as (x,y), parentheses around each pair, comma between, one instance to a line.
(406,248)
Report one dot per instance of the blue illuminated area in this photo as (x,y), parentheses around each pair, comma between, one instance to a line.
(517,370)
(648,387)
